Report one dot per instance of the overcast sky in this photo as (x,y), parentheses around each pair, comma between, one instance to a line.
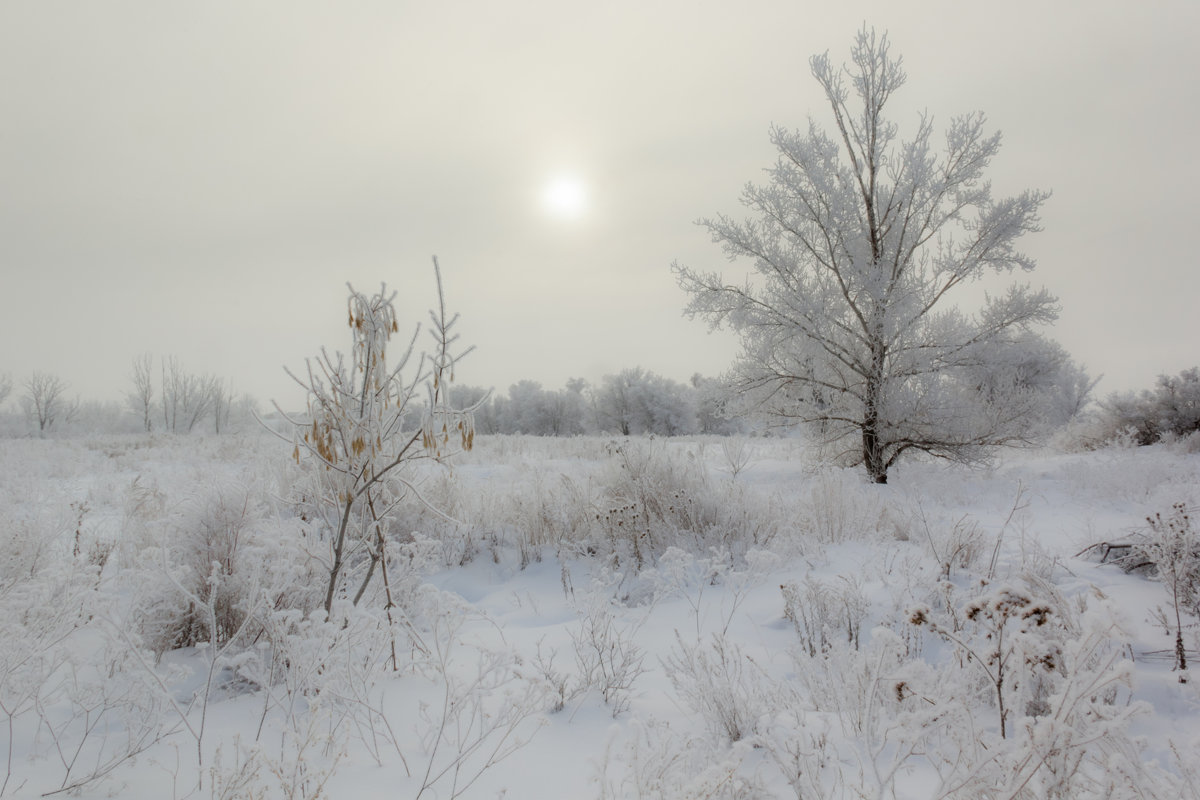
(202,179)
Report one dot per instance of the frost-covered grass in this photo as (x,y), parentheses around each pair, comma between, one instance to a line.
(604,618)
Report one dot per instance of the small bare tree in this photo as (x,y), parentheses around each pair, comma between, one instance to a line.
(186,399)
(222,403)
(1173,548)
(5,388)
(141,399)
(353,441)
(45,401)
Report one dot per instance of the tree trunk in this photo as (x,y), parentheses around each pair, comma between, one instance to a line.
(873,457)
(873,451)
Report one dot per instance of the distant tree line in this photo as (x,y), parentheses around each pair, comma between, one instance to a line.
(1170,410)
(631,402)
(182,401)
(163,397)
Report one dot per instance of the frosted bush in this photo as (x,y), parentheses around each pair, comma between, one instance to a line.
(825,612)
(681,574)
(1171,547)
(199,562)
(842,509)
(848,682)
(70,696)
(554,513)
(653,498)
(1171,409)
(1074,741)
(717,680)
(220,562)
(606,656)
(953,546)
(655,763)
(1153,476)
(449,515)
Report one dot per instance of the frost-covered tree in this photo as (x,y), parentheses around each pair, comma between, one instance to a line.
(355,442)
(1172,546)
(671,406)
(712,417)
(1177,401)
(141,398)
(859,241)
(222,403)
(634,401)
(187,399)
(1032,377)
(617,402)
(528,409)
(569,407)
(1072,392)
(45,401)
(1172,408)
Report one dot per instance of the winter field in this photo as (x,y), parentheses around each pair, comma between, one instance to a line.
(595,618)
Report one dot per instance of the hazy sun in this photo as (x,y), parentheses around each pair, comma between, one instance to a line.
(565,196)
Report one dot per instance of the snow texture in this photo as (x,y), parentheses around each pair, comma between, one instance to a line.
(602,619)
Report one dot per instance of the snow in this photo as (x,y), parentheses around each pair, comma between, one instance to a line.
(524,624)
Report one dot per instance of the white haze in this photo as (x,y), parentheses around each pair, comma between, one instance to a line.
(200,181)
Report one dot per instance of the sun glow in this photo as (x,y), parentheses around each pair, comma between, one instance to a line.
(565,197)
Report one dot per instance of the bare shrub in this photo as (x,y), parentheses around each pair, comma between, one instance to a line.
(687,576)
(720,682)
(560,684)
(1171,409)
(653,499)
(739,455)
(1010,636)
(606,656)
(655,762)
(481,717)
(957,546)
(1075,740)
(1172,548)
(140,399)
(558,513)
(840,509)
(71,699)
(187,399)
(819,610)
(1168,549)
(201,570)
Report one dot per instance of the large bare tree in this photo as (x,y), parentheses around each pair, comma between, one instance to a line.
(858,240)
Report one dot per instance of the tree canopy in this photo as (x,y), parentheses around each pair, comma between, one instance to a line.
(857,241)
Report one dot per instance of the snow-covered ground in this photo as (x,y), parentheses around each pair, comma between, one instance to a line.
(605,619)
